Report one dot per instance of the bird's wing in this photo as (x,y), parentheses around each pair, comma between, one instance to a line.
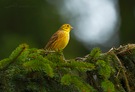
(52,41)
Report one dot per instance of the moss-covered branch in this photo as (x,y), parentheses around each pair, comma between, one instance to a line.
(31,69)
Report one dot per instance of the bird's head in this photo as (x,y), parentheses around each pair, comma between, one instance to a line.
(66,27)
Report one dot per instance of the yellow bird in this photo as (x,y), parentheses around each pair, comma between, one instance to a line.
(59,39)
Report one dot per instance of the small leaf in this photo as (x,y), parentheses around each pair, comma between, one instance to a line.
(95,53)
(107,86)
(66,79)
(104,68)
(18,51)
(4,62)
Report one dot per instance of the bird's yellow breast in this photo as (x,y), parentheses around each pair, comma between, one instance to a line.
(62,41)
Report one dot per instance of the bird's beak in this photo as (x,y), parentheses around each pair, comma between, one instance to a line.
(72,28)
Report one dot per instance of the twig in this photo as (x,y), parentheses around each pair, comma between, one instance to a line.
(123,72)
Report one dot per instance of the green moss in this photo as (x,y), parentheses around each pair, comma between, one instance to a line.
(34,70)
(107,86)
(103,69)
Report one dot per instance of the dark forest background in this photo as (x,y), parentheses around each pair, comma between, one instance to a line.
(34,21)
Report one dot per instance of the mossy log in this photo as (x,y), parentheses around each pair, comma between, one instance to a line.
(35,70)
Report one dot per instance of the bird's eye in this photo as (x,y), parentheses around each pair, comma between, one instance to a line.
(67,25)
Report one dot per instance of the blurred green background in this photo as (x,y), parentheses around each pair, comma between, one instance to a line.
(34,21)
